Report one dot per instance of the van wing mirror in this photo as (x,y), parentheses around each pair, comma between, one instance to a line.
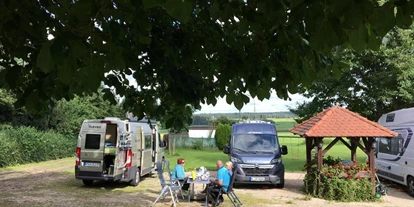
(226,149)
(284,150)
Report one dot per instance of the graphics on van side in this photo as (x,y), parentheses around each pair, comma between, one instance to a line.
(404,147)
(94,126)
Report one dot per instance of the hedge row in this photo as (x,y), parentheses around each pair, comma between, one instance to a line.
(19,145)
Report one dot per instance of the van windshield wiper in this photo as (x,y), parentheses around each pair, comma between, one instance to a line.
(235,148)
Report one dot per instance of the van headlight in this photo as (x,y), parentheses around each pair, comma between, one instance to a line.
(276,160)
(235,160)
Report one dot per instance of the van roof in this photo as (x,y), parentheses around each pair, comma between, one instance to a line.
(135,119)
(253,127)
(398,117)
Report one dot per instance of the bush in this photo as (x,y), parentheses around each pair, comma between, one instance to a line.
(338,182)
(223,132)
(26,144)
(198,145)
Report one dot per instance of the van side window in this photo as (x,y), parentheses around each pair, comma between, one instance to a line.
(148,141)
(391,146)
(92,141)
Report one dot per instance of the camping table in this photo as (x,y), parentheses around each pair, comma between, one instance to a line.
(199,181)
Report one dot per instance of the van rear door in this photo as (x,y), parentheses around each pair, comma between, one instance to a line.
(92,147)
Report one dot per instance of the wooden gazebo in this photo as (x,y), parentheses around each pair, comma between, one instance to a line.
(341,123)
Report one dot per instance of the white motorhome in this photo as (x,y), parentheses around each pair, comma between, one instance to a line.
(394,158)
(112,149)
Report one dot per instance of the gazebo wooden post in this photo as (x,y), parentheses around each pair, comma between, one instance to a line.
(308,142)
(319,145)
(370,149)
(354,147)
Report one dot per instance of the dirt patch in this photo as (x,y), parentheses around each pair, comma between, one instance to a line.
(51,185)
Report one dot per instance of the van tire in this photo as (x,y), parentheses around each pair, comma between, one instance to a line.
(410,185)
(280,185)
(137,178)
(87,182)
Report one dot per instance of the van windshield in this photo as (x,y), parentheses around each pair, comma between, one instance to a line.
(255,143)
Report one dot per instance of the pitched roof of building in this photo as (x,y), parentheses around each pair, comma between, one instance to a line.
(340,122)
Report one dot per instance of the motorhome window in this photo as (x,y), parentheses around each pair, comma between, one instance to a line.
(391,146)
(255,142)
(92,141)
(148,141)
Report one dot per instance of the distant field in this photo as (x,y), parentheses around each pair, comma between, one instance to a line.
(284,124)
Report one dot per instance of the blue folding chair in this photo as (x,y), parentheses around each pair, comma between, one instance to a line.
(167,188)
(230,193)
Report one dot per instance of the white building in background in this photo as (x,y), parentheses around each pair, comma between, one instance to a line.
(202,131)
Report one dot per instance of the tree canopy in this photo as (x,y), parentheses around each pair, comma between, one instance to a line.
(181,52)
(378,81)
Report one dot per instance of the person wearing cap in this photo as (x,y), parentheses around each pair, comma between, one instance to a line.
(179,174)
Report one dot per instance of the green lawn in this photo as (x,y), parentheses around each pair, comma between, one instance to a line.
(293,161)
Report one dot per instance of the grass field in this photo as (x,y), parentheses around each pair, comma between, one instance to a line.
(293,161)
(284,124)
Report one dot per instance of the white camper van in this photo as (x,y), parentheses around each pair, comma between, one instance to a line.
(394,158)
(112,149)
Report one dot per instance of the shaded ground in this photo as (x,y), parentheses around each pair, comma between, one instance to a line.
(53,184)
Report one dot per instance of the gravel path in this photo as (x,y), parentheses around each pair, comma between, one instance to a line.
(53,185)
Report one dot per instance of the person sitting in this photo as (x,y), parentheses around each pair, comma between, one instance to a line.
(223,181)
(229,166)
(179,174)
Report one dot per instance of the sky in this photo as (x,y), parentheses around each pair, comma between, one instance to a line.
(274,104)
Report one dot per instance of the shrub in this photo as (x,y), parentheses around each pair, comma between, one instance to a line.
(223,132)
(198,145)
(26,144)
(338,182)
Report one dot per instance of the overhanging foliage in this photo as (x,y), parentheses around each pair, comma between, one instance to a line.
(181,52)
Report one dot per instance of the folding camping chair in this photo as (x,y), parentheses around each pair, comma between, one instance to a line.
(172,180)
(167,188)
(230,193)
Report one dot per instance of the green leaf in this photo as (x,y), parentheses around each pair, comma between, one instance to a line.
(229,98)
(144,39)
(44,58)
(65,3)
(383,19)
(169,122)
(238,102)
(79,49)
(179,9)
(403,18)
(293,88)
(109,96)
(151,3)
(337,73)
(215,13)
(32,101)
(64,71)
(359,38)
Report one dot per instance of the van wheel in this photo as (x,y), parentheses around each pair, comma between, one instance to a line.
(410,186)
(280,185)
(137,178)
(87,182)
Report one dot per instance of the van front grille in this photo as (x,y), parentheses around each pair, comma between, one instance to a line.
(256,171)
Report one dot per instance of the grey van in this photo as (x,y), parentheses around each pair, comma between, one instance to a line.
(255,151)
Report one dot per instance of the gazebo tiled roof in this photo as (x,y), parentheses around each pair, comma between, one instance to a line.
(340,122)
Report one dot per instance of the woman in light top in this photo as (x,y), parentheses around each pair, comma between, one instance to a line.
(179,174)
